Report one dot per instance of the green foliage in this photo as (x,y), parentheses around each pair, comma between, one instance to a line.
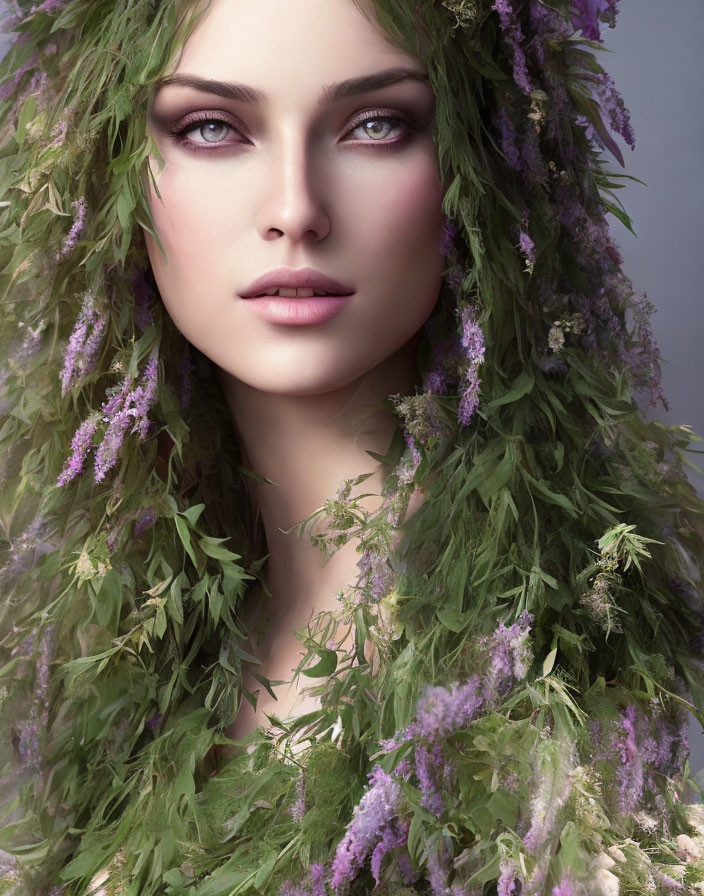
(558,499)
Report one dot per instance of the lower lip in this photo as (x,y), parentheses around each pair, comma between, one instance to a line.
(297,312)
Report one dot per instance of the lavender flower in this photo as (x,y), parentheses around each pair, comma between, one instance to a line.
(372,816)
(586,15)
(439,870)
(80,446)
(506,884)
(527,247)
(429,767)
(619,116)
(472,340)
(59,132)
(376,576)
(7,89)
(47,6)
(82,348)
(298,809)
(442,711)
(145,521)
(107,453)
(69,243)
(393,837)
(564,888)
(126,405)
(143,397)
(312,885)
(514,37)
(409,465)
(317,879)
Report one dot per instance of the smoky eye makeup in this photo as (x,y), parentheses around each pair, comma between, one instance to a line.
(388,128)
(194,126)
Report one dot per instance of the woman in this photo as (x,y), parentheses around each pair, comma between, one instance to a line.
(503,644)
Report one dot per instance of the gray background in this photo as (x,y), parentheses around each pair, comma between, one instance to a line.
(658,68)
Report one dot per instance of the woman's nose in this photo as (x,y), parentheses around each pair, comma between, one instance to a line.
(295,200)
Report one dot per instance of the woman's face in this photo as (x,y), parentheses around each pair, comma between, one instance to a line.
(276,158)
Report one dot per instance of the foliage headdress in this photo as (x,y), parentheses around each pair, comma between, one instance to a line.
(512,719)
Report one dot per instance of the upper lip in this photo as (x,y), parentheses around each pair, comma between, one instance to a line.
(292,278)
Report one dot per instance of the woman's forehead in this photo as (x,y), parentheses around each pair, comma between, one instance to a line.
(272,43)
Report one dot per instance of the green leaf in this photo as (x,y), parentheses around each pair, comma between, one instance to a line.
(549,662)
(522,385)
(326,666)
(125,209)
(29,110)
(185,537)
(174,604)
(109,600)
(193,513)
(212,548)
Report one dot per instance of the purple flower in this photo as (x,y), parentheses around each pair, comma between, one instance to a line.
(80,446)
(394,836)
(372,816)
(145,521)
(376,576)
(108,450)
(442,711)
(7,89)
(514,37)
(124,406)
(564,888)
(82,348)
(430,766)
(472,340)
(439,871)
(69,243)
(317,879)
(612,102)
(527,247)
(472,336)
(506,884)
(586,15)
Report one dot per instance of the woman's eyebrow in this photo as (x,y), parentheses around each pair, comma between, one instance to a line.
(332,93)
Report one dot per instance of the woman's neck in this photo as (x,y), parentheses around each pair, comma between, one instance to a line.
(307,445)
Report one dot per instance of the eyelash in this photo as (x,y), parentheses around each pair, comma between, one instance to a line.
(179,133)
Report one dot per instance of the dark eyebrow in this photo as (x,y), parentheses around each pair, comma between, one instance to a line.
(332,93)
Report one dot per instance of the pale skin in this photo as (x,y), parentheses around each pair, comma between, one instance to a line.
(295,180)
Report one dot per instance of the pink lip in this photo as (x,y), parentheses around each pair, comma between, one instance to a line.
(297,312)
(293,278)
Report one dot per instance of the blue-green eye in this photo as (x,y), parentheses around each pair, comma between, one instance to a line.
(405,125)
